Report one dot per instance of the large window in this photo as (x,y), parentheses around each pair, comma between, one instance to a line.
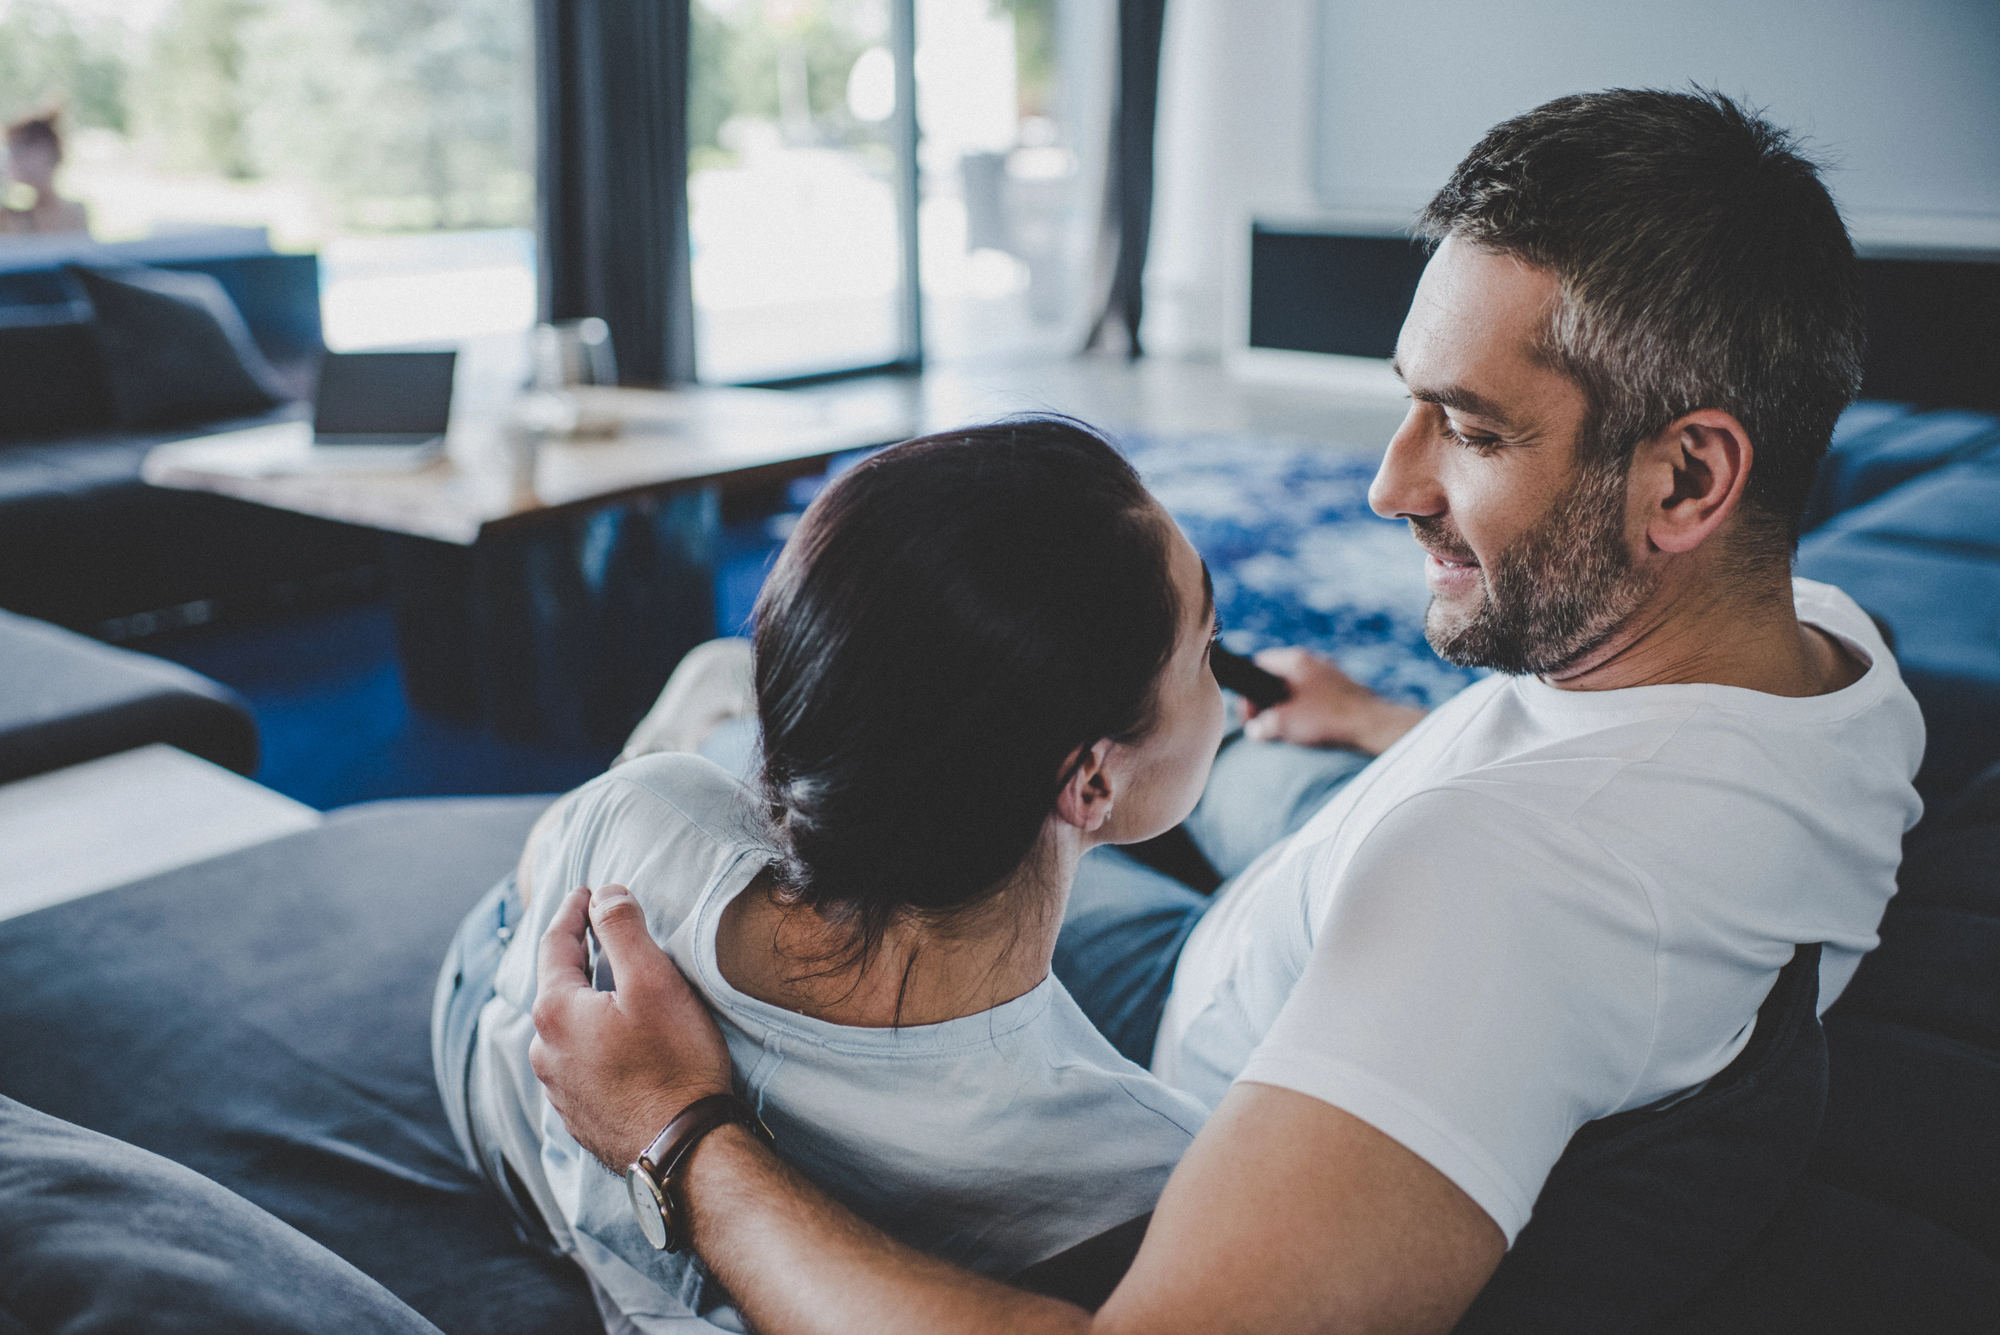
(394,137)
(798,251)
(1012,100)
(801,252)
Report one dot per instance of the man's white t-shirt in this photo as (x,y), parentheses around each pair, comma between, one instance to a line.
(1541,907)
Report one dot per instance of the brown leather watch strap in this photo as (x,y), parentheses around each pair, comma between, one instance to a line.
(663,1158)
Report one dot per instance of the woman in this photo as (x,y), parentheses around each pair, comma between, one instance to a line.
(980,655)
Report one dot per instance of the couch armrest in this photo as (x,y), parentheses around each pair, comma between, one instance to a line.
(71,699)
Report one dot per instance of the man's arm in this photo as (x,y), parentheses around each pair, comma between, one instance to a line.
(1326,708)
(1287,1214)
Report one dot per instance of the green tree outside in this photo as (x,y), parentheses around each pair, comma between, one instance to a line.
(399,114)
(49,57)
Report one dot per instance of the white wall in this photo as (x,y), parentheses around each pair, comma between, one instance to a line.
(1361,109)
(1238,81)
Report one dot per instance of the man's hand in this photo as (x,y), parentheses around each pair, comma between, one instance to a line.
(619,1065)
(1327,707)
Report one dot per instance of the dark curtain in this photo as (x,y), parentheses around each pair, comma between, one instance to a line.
(612,177)
(1129,194)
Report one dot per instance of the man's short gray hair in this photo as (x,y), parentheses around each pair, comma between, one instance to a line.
(1702,265)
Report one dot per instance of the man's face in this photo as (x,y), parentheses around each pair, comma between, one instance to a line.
(1529,555)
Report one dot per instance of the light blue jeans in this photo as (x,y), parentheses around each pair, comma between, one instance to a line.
(464,986)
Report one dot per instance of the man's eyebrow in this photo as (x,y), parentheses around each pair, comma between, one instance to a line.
(1465,401)
(1456,396)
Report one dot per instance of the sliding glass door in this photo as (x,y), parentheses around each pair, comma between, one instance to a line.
(834,143)
(798,168)
(1013,99)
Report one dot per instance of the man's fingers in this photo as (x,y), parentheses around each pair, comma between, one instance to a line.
(1267,725)
(561,966)
(1285,662)
(637,961)
(561,960)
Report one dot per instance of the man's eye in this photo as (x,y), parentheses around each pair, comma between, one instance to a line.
(1482,445)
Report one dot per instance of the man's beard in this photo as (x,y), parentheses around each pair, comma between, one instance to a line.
(1557,592)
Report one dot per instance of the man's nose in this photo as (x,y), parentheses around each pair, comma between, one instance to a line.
(1406,486)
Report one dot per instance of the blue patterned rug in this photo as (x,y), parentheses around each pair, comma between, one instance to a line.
(1298,557)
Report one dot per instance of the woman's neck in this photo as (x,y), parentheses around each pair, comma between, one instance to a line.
(919,973)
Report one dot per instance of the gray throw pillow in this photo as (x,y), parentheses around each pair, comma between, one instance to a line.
(175,347)
(97,1236)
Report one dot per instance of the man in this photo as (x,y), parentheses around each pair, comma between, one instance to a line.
(1559,897)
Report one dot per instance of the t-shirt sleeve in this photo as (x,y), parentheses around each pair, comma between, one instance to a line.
(661,826)
(1483,983)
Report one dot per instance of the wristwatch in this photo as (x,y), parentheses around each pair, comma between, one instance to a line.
(652,1180)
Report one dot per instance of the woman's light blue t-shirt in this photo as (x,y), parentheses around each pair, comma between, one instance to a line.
(994,1140)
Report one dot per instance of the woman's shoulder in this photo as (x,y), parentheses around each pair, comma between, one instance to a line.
(667,827)
(683,792)
(664,826)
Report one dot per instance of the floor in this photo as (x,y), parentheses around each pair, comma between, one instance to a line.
(324,687)
(333,723)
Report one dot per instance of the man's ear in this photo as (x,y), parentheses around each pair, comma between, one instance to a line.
(1085,801)
(1690,478)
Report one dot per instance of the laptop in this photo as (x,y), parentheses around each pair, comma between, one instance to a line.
(377,410)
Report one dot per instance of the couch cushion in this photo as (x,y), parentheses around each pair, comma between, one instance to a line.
(175,348)
(1977,804)
(1835,1262)
(1943,603)
(1877,447)
(1937,969)
(263,1018)
(97,1236)
(71,699)
(51,373)
(1915,1044)
(84,541)
(1909,1120)
(1955,509)
(277,295)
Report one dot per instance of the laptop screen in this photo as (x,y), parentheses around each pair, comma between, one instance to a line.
(384,394)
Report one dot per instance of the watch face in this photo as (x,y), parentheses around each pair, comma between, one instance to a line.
(648,1204)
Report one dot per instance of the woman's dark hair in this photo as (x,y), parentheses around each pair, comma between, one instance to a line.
(953,618)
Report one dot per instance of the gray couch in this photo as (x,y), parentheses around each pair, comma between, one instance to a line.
(83,542)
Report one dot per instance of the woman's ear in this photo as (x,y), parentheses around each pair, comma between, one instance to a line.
(1085,800)
(1691,477)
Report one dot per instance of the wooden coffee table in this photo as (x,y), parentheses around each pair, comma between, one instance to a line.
(549,589)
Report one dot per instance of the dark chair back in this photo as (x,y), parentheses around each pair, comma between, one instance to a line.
(1645,1209)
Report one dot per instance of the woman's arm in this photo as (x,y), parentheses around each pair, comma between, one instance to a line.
(1286,1215)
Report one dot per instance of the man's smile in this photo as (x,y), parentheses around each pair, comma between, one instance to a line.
(1446,574)
(1447,568)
